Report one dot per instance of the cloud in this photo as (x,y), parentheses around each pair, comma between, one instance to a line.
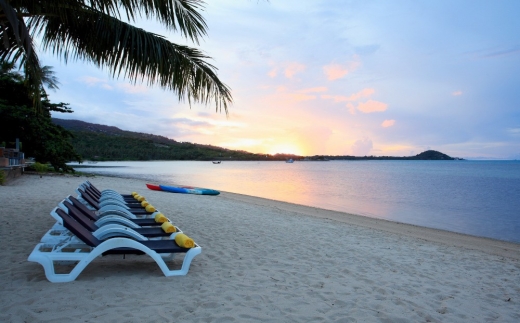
(292,69)
(105,84)
(314,89)
(132,89)
(387,123)
(503,52)
(299,95)
(272,73)
(372,106)
(336,71)
(457,93)
(514,131)
(361,94)
(351,108)
(353,97)
(91,81)
(362,147)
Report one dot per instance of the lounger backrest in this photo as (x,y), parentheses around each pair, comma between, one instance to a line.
(77,229)
(88,198)
(93,187)
(85,210)
(80,217)
(92,193)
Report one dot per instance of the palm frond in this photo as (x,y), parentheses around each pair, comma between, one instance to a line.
(134,53)
(19,47)
(49,78)
(12,25)
(179,15)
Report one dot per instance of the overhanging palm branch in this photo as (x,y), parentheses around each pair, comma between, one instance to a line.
(92,30)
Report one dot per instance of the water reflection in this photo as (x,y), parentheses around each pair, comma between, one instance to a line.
(470,197)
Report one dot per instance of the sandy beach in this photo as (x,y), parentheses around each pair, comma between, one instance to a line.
(261,261)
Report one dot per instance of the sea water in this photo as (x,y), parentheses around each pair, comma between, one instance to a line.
(480,198)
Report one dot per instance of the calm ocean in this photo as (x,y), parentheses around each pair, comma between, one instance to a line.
(480,198)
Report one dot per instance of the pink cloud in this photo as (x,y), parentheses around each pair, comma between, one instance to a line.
(372,106)
(314,89)
(273,72)
(353,97)
(336,71)
(293,68)
(300,95)
(361,94)
(89,80)
(457,93)
(387,123)
(336,98)
(351,108)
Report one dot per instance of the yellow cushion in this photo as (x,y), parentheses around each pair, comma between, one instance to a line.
(184,241)
(168,227)
(134,193)
(136,196)
(149,208)
(160,218)
(144,203)
(141,198)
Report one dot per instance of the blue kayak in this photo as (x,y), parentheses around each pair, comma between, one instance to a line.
(189,190)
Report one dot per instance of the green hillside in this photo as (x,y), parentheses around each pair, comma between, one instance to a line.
(106,143)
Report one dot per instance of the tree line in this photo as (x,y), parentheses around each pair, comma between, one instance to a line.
(96,146)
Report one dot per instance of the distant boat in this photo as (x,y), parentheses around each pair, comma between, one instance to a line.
(290,160)
(92,162)
(216,162)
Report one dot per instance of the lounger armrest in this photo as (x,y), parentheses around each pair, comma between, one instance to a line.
(118,219)
(109,197)
(114,209)
(117,230)
(113,202)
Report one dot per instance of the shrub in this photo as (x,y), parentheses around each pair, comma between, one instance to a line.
(40,168)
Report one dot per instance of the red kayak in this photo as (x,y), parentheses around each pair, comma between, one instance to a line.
(154,187)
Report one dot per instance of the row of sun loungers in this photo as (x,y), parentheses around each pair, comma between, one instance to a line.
(99,223)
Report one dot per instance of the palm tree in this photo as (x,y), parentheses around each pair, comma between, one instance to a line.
(93,30)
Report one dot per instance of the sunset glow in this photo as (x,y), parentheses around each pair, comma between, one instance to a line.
(372,86)
(285,149)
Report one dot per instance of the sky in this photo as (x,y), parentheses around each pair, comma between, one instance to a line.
(335,77)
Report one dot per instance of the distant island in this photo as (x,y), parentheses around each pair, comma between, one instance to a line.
(425,155)
(95,142)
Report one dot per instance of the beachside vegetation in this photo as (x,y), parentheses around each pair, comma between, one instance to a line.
(100,32)
(40,168)
(42,139)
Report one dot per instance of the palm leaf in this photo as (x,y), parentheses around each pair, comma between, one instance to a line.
(134,53)
(18,46)
(179,15)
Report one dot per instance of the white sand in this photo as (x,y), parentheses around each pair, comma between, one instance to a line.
(262,261)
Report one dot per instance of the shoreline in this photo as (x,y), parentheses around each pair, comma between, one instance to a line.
(485,244)
(455,239)
(488,245)
(262,261)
